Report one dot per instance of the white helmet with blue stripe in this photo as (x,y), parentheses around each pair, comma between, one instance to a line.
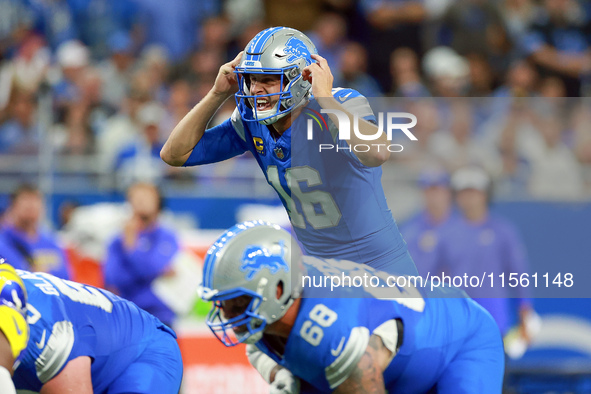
(250,261)
(277,51)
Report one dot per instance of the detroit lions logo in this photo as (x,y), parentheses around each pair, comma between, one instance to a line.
(256,258)
(296,49)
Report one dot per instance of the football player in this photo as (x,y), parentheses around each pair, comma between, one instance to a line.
(14,331)
(334,197)
(349,341)
(85,340)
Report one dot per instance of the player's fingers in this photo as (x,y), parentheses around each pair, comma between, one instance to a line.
(236,60)
(319,59)
(226,69)
(312,67)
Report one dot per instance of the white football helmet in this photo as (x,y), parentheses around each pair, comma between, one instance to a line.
(276,51)
(251,260)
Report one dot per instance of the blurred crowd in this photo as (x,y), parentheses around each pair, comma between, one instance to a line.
(117,75)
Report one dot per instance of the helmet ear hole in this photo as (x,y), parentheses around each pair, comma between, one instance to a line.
(280,289)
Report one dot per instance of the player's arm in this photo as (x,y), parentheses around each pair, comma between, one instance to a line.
(367,376)
(280,379)
(74,378)
(6,362)
(190,129)
(320,76)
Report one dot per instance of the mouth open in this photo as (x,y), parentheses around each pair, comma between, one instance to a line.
(263,103)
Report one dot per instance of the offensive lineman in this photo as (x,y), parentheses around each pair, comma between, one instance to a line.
(83,340)
(351,341)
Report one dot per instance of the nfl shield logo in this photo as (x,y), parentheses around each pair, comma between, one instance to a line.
(279,153)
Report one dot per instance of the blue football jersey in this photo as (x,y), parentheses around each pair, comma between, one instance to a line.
(336,204)
(68,320)
(331,334)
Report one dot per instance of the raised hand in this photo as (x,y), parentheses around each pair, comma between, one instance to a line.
(319,75)
(226,82)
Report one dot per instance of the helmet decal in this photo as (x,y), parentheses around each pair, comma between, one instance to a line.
(256,258)
(296,49)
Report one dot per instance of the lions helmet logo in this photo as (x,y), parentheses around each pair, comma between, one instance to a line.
(255,258)
(296,49)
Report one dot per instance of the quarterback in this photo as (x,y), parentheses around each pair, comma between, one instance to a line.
(350,342)
(334,198)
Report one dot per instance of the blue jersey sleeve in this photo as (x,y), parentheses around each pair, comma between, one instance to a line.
(219,143)
(355,103)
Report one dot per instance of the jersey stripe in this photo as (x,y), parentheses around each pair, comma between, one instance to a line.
(260,43)
(56,351)
(340,369)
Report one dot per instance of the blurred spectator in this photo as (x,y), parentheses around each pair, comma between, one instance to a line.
(479,241)
(476,26)
(30,65)
(203,67)
(180,101)
(215,36)
(73,59)
(392,24)
(555,172)
(91,97)
(21,132)
(517,16)
(140,160)
(518,120)
(116,71)
(418,154)
(142,253)
(559,41)
(123,128)
(98,20)
(423,231)
(406,76)
(520,81)
(26,244)
(17,22)
(352,72)
(329,36)
(447,72)
(481,76)
(552,87)
(75,136)
(176,24)
(55,21)
(83,119)
(459,146)
(154,63)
